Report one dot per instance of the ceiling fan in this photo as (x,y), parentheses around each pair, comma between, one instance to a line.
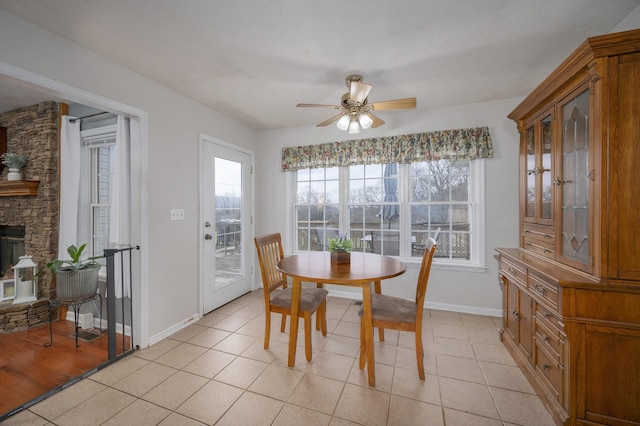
(355,111)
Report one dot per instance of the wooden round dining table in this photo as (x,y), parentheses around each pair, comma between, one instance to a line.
(363,269)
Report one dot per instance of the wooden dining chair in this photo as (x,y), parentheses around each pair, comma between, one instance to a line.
(401,314)
(277,296)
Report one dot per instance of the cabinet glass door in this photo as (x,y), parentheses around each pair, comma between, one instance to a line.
(530,204)
(546,208)
(575,179)
(539,192)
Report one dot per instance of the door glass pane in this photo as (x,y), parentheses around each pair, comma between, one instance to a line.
(228,213)
(576,178)
(530,208)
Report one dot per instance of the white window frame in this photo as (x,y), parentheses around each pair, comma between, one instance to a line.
(477,262)
(91,139)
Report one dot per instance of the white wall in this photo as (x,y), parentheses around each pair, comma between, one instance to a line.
(465,291)
(630,22)
(171,159)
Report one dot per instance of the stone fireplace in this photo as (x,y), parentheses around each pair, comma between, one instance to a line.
(29,208)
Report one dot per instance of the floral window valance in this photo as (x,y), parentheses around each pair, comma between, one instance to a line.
(468,144)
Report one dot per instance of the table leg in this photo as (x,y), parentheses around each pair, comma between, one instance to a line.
(296,289)
(368,333)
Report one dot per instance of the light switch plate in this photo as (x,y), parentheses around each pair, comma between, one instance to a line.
(177,214)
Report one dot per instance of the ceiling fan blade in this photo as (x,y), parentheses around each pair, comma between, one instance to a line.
(330,120)
(319,106)
(376,120)
(359,91)
(407,103)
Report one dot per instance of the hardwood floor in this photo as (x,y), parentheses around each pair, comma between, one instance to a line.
(29,370)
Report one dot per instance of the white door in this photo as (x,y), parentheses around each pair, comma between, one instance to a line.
(226,200)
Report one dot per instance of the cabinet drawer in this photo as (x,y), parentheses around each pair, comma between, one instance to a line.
(550,369)
(550,320)
(513,271)
(546,292)
(539,235)
(552,339)
(538,247)
(540,232)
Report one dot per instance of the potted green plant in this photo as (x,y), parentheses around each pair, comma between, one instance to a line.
(340,249)
(15,162)
(76,278)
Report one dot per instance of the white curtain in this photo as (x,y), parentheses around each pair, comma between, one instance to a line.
(120,211)
(70,161)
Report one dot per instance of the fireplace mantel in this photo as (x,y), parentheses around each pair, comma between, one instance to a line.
(13,188)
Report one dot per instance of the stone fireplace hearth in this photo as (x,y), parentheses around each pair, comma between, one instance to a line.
(32,131)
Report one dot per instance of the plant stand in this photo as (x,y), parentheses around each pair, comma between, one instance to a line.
(75,304)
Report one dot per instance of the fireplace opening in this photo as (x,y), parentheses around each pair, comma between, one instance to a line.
(11,247)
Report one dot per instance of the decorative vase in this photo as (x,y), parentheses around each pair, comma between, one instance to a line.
(14,174)
(340,257)
(76,284)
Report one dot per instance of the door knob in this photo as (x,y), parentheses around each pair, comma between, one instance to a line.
(208,236)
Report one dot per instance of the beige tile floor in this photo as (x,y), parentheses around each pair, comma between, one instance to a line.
(216,372)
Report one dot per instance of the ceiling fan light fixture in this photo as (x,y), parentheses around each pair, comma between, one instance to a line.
(343,123)
(356,112)
(354,127)
(365,121)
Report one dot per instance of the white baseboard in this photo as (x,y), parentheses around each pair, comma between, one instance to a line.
(464,309)
(173,329)
(344,294)
(431,305)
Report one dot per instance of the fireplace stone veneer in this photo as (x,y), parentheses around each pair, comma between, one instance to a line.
(33,131)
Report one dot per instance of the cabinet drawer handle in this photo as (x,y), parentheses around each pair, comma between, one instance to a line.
(515,314)
(558,182)
(510,269)
(539,289)
(546,315)
(545,367)
(545,337)
(547,236)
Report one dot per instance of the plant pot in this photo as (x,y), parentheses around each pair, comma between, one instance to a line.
(14,174)
(340,257)
(76,284)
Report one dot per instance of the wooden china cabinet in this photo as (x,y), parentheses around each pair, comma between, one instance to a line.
(572,287)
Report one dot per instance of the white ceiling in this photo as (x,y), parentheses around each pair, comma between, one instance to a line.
(254,60)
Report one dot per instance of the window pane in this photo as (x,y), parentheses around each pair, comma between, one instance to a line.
(100,230)
(438,195)
(374,209)
(303,192)
(104,174)
(332,191)
(460,180)
(440,199)
(303,175)
(101,173)
(317,208)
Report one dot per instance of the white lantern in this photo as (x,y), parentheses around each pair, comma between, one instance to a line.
(25,280)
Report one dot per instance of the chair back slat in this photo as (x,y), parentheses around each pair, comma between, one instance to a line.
(425,269)
(270,252)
